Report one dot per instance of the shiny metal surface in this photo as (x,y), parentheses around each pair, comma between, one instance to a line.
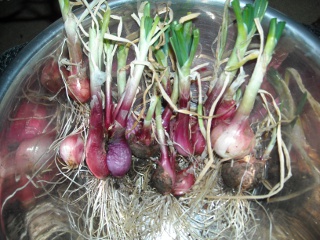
(303,54)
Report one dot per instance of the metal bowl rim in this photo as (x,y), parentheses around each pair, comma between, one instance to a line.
(46,35)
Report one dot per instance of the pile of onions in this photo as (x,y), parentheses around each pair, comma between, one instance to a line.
(135,99)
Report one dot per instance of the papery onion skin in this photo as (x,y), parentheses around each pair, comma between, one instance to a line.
(234,140)
(164,177)
(225,112)
(141,140)
(72,150)
(140,150)
(162,181)
(243,174)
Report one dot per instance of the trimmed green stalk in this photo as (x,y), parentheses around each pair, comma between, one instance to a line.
(78,82)
(162,55)
(167,113)
(236,139)
(96,155)
(149,33)
(246,30)
(64,8)
(109,49)
(122,56)
(150,113)
(223,33)
(260,69)
(164,177)
(184,41)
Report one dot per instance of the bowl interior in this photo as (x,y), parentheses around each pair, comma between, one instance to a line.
(297,49)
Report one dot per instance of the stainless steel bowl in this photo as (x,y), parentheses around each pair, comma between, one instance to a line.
(296,218)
